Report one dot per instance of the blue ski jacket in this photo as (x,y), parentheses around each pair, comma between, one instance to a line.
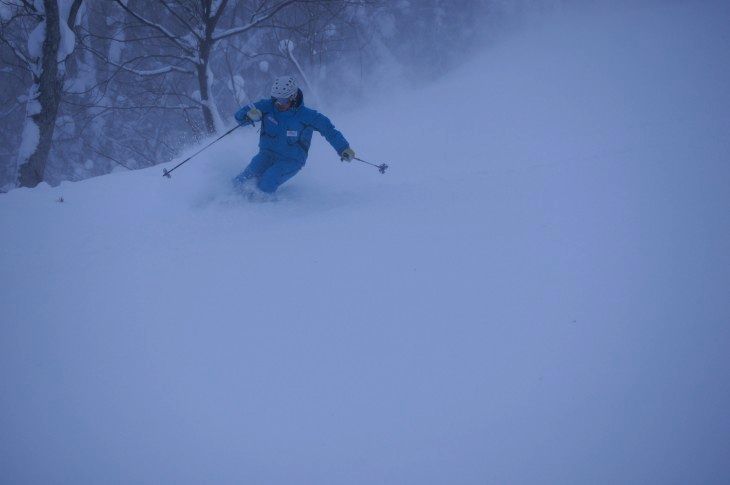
(289,133)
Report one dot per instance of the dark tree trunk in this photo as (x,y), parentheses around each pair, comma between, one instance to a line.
(49,85)
(205,94)
(204,48)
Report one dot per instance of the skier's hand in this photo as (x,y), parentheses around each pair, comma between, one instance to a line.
(254,114)
(347,155)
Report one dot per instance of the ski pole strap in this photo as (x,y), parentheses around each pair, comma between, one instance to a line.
(166,172)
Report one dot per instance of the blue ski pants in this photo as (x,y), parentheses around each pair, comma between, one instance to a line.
(269,170)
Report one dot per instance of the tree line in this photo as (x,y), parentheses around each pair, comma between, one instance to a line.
(93,85)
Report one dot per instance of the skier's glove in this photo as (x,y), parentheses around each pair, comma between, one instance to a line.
(254,114)
(347,155)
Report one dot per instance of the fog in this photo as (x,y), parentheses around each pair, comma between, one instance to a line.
(535,292)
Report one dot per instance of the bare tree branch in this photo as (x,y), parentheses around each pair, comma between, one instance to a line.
(17,52)
(256,20)
(169,35)
(73,13)
(180,19)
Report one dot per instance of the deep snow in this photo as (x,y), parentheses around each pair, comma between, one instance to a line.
(536,292)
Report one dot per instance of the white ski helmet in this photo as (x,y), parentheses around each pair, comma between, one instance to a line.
(284,87)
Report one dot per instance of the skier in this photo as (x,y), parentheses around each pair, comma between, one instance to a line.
(286,134)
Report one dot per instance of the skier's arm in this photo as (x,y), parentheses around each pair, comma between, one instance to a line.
(323,125)
(241,114)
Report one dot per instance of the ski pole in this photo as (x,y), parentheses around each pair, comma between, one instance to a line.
(381,168)
(166,172)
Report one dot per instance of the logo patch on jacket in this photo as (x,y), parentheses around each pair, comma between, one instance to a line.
(292,133)
(271,118)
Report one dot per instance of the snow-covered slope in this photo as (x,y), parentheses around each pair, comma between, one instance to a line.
(536,292)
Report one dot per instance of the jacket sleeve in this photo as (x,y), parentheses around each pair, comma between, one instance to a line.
(323,125)
(241,113)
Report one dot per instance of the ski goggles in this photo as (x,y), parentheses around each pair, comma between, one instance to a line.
(283,101)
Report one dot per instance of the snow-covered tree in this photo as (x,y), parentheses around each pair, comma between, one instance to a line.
(191,32)
(88,86)
(41,37)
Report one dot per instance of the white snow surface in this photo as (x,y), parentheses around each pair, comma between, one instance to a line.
(536,292)
(35,41)
(7,9)
(68,38)
(30,136)
(68,42)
